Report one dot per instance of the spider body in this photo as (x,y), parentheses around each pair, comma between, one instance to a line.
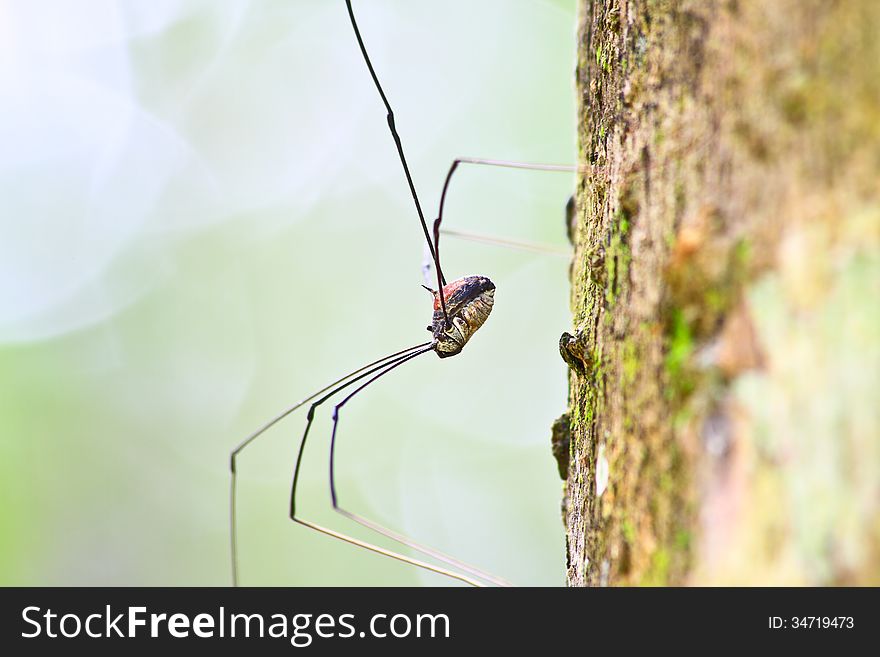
(469,301)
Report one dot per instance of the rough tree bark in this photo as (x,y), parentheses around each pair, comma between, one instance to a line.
(726,295)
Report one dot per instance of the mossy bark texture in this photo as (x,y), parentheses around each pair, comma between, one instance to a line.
(725,351)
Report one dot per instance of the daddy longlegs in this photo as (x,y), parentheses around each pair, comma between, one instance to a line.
(460,308)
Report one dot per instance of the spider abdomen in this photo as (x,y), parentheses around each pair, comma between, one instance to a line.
(469,301)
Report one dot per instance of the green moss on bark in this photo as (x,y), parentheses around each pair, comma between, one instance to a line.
(733,150)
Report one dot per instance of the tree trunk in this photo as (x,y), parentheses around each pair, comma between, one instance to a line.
(726,295)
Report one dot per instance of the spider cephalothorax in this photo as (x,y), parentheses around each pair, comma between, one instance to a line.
(468,303)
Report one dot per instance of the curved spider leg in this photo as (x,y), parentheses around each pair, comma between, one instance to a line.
(384,531)
(364,371)
(507,164)
(378,372)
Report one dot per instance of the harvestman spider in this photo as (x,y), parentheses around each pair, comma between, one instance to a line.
(460,308)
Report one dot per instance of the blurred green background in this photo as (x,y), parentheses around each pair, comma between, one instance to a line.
(204,220)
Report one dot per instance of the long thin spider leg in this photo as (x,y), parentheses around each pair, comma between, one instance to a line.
(507,164)
(362,371)
(441,280)
(385,368)
(511,244)
(310,416)
(388,553)
(400,538)
(431,552)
